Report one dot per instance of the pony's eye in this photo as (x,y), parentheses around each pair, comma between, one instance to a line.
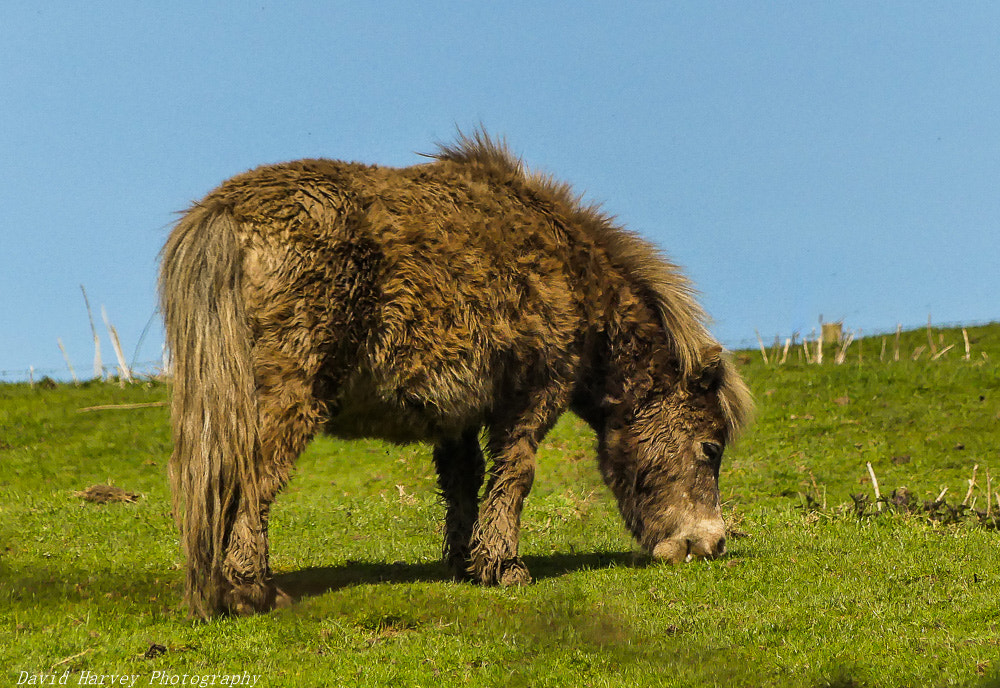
(713,452)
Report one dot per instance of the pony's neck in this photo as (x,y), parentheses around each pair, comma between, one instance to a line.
(631,357)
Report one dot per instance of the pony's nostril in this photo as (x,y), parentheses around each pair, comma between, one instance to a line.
(708,548)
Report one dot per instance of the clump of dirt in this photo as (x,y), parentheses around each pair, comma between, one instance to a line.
(104,494)
(939,510)
(155,650)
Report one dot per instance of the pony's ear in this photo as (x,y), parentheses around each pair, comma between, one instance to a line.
(711,356)
(710,374)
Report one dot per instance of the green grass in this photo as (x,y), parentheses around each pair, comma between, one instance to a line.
(806,597)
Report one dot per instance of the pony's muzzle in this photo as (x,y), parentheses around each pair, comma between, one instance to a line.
(703,544)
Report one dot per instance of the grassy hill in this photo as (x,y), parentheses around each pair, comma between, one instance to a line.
(821,587)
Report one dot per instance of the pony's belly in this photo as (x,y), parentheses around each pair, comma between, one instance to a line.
(400,417)
(384,422)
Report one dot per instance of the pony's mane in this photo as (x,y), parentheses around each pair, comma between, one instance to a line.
(480,148)
(659,279)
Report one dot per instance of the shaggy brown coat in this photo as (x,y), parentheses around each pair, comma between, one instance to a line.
(431,303)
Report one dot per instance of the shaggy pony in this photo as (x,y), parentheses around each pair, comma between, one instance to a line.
(439,303)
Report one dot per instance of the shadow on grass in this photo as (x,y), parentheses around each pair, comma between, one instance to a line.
(317,580)
(49,583)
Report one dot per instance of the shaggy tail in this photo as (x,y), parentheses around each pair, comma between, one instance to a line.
(214,410)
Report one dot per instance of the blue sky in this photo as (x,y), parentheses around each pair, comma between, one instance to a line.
(799,159)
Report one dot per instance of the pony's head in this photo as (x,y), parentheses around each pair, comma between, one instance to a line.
(661,451)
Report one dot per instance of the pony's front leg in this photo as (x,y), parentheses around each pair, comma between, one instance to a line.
(513,441)
(495,559)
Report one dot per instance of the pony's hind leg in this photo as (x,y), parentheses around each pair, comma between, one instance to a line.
(288,417)
(460,468)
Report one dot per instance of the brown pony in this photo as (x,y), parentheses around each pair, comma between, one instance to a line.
(440,302)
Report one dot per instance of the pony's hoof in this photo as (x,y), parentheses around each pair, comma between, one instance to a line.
(247,600)
(460,569)
(505,572)
(514,572)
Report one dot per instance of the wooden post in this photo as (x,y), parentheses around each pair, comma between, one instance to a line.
(833,332)
(841,355)
(878,496)
(942,352)
(125,373)
(763,352)
(68,364)
(98,365)
(972,484)
(989,493)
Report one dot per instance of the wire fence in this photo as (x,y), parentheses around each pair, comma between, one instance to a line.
(753,343)
(139,370)
(155,368)
(124,371)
